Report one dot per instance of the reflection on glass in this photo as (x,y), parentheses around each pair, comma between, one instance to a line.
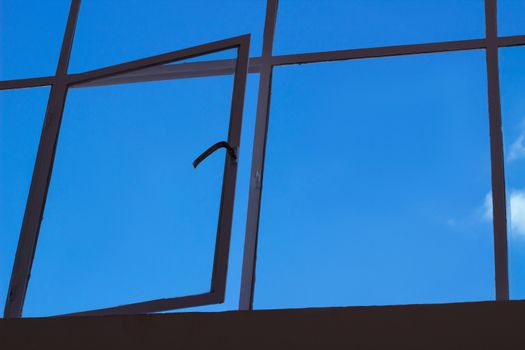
(513,118)
(143,28)
(127,217)
(21,116)
(30,37)
(511,17)
(377,184)
(310,25)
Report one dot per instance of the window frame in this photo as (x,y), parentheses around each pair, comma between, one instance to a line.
(263,65)
(46,153)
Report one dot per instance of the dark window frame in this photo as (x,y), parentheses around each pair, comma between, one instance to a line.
(46,154)
(264,65)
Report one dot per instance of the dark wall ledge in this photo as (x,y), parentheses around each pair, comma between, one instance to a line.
(484,325)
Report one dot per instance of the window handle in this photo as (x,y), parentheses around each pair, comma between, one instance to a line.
(223,144)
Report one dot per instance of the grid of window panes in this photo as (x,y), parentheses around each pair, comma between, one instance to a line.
(366,179)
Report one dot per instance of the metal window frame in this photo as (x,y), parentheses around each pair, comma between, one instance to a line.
(491,43)
(46,154)
(264,65)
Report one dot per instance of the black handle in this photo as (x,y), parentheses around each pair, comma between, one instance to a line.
(222,144)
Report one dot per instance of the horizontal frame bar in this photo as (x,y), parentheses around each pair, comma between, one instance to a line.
(157,305)
(515,40)
(175,71)
(385,51)
(170,57)
(104,76)
(26,83)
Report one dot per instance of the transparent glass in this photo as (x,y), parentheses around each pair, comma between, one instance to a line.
(376,184)
(512,82)
(310,25)
(511,17)
(131,29)
(127,217)
(233,283)
(31,33)
(21,116)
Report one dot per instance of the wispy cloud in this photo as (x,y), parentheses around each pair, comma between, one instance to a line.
(517,214)
(517,149)
(487,207)
(516,209)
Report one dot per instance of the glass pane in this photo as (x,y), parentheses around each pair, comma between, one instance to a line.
(511,17)
(128,218)
(131,29)
(513,118)
(376,178)
(310,25)
(21,115)
(233,283)
(30,37)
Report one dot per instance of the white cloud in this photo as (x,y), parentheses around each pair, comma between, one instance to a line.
(517,214)
(517,149)
(516,209)
(487,207)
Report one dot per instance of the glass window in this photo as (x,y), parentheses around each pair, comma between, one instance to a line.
(511,17)
(310,25)
(127,217)
(21,117)
(132,29)
(376,184)
(513,119)
(231,301)
(30,37)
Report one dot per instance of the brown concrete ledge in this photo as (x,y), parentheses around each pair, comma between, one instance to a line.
(486,325)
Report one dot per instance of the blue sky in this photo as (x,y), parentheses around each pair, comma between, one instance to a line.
(513,109)
(377,171)
(400,144)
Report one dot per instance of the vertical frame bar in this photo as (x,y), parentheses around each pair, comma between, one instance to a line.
(41,175)
(222,247)
(259,147)
(496,154)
